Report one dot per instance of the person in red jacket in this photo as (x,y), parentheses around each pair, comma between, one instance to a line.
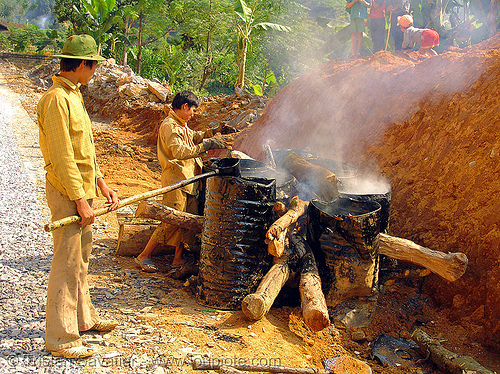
(427,38)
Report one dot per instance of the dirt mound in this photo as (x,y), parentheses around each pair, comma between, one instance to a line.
(430,126)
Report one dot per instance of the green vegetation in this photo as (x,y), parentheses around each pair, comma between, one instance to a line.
(212,46)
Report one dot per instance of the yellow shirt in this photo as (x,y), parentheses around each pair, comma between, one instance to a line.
(66,140)
(179,149)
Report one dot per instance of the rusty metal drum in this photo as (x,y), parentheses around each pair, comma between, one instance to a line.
(234,258)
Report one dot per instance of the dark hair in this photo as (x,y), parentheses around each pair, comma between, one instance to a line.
(185,97)
(70,64)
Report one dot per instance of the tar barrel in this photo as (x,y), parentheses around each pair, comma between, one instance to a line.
(380,195)
(344,236)
(233,259)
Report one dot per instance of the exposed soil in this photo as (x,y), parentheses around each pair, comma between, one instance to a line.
(429,126)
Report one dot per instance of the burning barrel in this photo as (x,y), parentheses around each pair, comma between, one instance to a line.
(344,236)
(381,195)
(234,258)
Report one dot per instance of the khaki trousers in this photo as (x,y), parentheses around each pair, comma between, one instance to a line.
(69,309)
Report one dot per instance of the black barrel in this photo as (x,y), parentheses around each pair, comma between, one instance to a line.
(286,184)
(381,197)
(344,237)
(234,258)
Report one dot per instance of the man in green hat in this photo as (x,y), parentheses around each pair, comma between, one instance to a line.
(72,179)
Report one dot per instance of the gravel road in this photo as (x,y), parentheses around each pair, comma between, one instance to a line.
(25,248)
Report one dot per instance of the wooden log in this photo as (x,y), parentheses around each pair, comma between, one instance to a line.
(256,305)
(450,266)
(321,180)
(133,238)
(160,212)
(313,303)
(345,364)
(276,246)
(279,208)
(446,360)
(276,234)
(134,233)
(200,364)
(229,370)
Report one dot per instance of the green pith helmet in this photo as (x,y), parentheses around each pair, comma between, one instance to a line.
(81,47)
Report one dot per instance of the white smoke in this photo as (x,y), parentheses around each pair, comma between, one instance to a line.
(43,21)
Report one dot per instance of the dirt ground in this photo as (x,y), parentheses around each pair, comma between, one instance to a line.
(391,114)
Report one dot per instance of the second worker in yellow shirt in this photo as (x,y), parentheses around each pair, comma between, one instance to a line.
(179,152)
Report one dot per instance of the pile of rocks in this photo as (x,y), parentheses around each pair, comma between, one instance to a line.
(41,75)
(113,87)
(111,80)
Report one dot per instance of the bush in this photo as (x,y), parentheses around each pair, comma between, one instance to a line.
(21,39)
(4,43)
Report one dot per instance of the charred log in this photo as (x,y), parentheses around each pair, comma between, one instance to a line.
(446,360)
(276,234)
(319,179)
(256,305)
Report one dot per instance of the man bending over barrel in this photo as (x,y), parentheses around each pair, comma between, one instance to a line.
(179,149)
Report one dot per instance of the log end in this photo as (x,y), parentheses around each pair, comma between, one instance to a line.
(276,246)
(316,320)
(254,306)
(458,265)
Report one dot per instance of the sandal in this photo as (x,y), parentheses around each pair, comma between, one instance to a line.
(104,325)
(74,352)
(147,265)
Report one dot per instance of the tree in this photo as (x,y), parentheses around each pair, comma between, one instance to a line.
(202,33)
(22,38)
(53,39)
(73,12)
(14,10)
(102,15)
(244,30)
(152,23)
(129,15)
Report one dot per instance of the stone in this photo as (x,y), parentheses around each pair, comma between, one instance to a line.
(160,91)
(132,90)
(358,336)
(124,79)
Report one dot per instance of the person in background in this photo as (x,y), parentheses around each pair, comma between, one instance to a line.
(377,24)
(427,38)
(179,152)
(397,8)
(73,178)
(358,10)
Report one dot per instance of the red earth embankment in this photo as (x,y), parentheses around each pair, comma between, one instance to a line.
(432,127)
